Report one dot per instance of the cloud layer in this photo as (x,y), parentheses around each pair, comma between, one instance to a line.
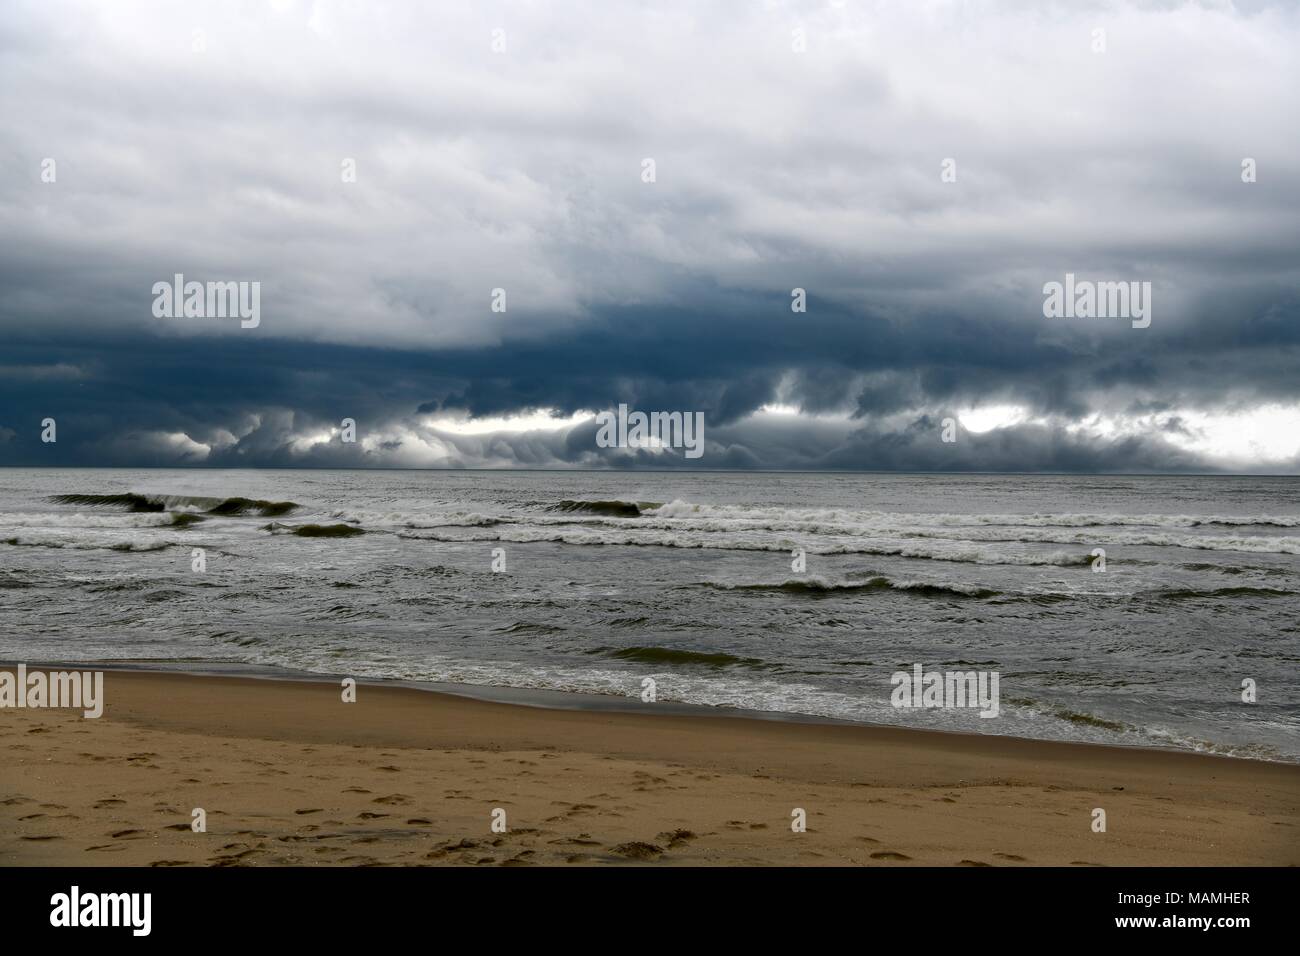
(799,145)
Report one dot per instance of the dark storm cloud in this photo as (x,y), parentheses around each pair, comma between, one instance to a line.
(196,143)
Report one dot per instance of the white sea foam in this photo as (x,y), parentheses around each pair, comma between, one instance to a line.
(85,542)
(58,521)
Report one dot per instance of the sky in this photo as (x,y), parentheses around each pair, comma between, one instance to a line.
(920,170)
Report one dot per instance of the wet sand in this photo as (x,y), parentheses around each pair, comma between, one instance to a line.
(288,774)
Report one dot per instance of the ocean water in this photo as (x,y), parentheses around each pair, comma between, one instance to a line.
(687,578)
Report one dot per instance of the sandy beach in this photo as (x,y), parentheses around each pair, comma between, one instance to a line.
(288,774)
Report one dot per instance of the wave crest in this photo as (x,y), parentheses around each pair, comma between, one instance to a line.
(613,508)
(874,583)
(132,501)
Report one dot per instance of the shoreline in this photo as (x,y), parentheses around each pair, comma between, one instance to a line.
(289,774)
(539,697)
(549,699)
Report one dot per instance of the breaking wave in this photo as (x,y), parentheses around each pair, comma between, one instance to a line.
(850,518)
(1192,594)
(874,583)
(686,538)
(1138,530)
(77,544)
(213,506)
(315,530)
(671,655)
(617,509)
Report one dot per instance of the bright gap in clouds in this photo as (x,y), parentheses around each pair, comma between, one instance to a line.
(1268,433)
(1260,435)
(775,408)
(780,410)
(1264,435)
(542,419)
(988,417)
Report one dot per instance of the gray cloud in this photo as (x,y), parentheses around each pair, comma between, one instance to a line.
(775,170)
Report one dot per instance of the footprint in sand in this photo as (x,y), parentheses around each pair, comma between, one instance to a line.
(582,839)
(675,838)
(233,859)
(636,850)
(438,853)
(1010,856)
(889,855)
(973,863)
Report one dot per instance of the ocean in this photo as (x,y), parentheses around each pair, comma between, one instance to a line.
(691,579)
